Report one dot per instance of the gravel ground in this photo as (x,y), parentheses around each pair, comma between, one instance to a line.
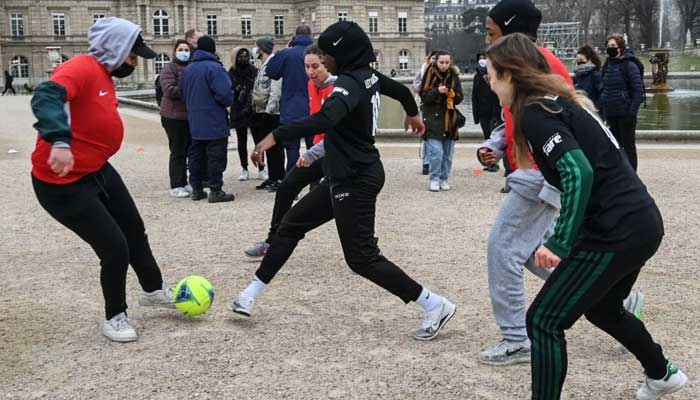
(319,332)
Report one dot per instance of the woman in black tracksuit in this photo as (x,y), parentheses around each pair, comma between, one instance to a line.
(608,227)
(354,177)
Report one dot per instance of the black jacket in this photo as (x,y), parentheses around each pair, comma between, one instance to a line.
(485,104)
(242,82)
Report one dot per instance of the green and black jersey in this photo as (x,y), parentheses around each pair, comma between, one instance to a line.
(578,155)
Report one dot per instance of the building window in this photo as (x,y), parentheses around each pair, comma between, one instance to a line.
(160,23)
(246,26)
(403,22)
(403,60)
(160,61)
(279,25)
(19,67)
(342,15)
(17,25)
(95,17)
(375,64)
(212,29)
(373,22)
(59,24)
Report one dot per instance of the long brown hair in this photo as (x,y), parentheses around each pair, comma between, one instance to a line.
(532,80)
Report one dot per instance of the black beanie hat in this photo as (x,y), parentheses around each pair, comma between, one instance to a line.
(517,16)
(265,44)
(348,44)
(206,43)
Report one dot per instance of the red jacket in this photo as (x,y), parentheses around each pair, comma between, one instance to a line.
(317,95)
(558,68)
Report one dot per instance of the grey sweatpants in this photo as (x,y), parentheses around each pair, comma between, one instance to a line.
(521,226)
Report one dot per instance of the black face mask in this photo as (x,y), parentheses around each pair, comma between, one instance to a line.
(613,51)
(580,62)
(123,71)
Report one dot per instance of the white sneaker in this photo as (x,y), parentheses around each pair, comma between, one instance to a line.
(506,352)
(434,186)
(180,192)
(444,185)
(244,175)
(158,298)
(119,329)
(435,320)
(634,303)
(263,176)
(243,305)
(653,389)
(188,188)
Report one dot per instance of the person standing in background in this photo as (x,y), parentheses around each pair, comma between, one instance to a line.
(288,65)
(242,74)
(587,75)
(266,113)
(9,79)
(485,107)
(173,117)
(417,82)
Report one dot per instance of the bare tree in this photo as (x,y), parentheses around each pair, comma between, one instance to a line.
(690,11)
(645,12)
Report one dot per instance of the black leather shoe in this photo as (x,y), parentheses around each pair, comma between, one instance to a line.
(219,196)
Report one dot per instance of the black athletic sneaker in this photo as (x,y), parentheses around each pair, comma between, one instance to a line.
(264,185)
(273,186)
(198,194)
(426,169)
(219,196)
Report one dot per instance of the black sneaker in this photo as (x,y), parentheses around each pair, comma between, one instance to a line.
(219,196)
(505,189)
(426,169)
(198,194)
(264,185)
(272,187)
(492,168)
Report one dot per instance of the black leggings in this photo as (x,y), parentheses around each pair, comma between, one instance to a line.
(179,141)
(594,283)
(100,210)
(10,88)
(625,131)
(352,204)
(289,189)
(263,124)
(242,136)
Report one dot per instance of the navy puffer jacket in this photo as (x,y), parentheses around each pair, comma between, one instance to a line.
(589,79)
(619,100)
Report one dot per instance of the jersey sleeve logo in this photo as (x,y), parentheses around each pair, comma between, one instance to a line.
(551,143)
(340,90)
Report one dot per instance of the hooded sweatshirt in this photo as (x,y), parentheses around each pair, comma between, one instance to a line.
(350,114)
(77,107)
(242,79)
(288,65)
(319,94)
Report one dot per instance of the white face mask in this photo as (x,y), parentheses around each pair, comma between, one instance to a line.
(482,63)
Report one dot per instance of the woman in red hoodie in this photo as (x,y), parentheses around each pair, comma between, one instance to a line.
(308,168)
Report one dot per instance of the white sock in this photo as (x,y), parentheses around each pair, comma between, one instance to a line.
(429,300)
(255,288)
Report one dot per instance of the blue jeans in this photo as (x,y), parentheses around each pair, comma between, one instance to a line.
(426,153)
(441,152)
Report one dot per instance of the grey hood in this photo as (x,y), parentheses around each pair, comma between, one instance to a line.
(111,40)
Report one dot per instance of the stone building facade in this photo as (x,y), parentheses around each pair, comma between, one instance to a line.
(37,34)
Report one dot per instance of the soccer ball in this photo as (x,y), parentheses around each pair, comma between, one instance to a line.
(193,295)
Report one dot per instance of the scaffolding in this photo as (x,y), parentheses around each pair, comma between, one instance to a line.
(562,38)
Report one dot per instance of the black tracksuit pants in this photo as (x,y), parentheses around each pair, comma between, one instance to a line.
(352,204)
(625,131)
(100,210)
(263,124)
(208,160)
(289,189)
(179,141)
(594,282)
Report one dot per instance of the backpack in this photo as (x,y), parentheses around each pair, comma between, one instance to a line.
(626,75)
(159,90)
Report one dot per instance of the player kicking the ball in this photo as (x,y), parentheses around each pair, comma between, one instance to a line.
(354,178)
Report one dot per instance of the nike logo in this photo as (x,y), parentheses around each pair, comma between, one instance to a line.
(510,20)
(516,351)
(339,40)
(103,93)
